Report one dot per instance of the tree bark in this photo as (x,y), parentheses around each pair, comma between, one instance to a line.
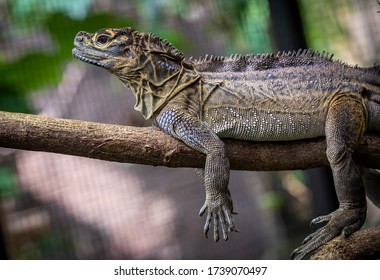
(361,245)
(150,146)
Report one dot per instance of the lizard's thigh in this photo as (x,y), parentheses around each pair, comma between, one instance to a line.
(344,129)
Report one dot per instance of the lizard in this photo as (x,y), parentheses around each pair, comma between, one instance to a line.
(256,97)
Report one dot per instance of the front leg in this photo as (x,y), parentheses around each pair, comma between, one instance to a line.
(344,128)
(215,175)
(215,213)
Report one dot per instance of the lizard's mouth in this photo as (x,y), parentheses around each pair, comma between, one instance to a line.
(95,60)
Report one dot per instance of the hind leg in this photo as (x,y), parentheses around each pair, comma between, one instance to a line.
(344,128)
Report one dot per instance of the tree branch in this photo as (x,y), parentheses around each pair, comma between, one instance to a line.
(361,245)
(151,146)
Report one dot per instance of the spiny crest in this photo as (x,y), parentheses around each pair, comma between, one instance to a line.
(156,44)
(238,62)
(281,54)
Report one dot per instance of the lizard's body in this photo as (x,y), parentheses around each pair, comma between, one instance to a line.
(250,111)
(255,97)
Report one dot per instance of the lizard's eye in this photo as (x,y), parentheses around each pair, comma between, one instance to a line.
(103,39)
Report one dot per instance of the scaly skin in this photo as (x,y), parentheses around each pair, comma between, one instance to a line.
(255,97)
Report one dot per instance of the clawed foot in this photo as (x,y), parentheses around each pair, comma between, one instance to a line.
(344,221)
(220,212)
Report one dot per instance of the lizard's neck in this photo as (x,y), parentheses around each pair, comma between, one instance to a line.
(156,81)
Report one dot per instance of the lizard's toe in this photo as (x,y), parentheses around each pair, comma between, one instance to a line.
(343,221)
(206,227)
(203,209)
(216,229)
(221,217)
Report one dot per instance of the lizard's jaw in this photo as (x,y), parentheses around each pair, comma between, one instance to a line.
(85,52)
(91,59)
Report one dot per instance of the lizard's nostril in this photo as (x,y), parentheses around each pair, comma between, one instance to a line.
(80,36)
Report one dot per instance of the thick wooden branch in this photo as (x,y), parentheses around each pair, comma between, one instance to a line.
(151,146)
(361,245)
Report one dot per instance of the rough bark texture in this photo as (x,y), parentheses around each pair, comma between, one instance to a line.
(361,245)
(150,146)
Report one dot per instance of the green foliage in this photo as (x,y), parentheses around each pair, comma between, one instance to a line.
(323,33)
(47,245)
(38,69)
(52,242)
(255,28)
(8,182)
(31,72)
(25,9)
(243,22)
(271,200)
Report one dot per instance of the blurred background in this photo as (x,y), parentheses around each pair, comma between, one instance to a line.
(63,207)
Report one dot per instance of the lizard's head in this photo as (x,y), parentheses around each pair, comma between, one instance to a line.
(149,65)
(122,51)
(108,48)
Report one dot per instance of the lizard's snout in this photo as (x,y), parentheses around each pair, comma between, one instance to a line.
(81,35)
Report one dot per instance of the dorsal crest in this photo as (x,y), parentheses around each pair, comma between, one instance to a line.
(152,43)
(240,63)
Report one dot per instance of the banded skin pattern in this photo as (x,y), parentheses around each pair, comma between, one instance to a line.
(283,97)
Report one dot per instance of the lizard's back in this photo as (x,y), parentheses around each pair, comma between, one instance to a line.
(271,98)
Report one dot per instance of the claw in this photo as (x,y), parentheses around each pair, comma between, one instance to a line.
(230,222)
(307,239)
(311,236)
(347,231)
(298,254)
(207,225)
(216,230)
(343,221)
(203,210)
(295,254)
(225,236)
(223,225)
(319,220)
(220,216)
